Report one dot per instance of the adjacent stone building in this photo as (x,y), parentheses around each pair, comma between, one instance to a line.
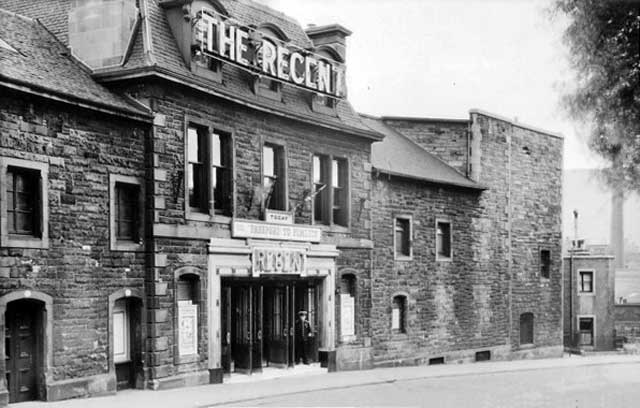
(590,316)
(200,177)
(466,240)
(72,167)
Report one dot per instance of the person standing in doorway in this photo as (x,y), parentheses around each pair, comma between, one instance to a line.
(304,335)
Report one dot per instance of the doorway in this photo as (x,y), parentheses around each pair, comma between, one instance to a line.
(258,320)
(127,353)
(24,350)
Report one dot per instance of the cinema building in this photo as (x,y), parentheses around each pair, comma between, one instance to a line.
(199,176)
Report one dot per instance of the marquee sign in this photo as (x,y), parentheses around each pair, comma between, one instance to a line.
(278,261)
(247,47)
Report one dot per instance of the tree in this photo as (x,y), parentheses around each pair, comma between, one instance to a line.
(604,43)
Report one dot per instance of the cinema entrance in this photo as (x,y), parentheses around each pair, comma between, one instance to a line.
(259,322)
(256,287)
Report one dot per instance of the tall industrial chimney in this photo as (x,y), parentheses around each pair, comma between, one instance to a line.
(617,227)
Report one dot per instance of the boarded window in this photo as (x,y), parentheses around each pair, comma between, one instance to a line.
(398,314)
(586,331)
(347,306)
(545,263)
(526,328)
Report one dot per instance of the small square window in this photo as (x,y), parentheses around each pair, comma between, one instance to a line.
(443,240)
(586,281)
(126,213)
(402,238)
(545,263)
(23,203)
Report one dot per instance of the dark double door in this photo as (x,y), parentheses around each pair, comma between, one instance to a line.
(258,322)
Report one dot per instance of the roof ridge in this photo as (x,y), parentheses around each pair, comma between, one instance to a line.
(268,9)
(14,14)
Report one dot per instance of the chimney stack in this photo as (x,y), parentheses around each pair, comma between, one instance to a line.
(333,35)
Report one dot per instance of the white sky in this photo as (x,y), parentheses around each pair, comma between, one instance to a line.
(440,58)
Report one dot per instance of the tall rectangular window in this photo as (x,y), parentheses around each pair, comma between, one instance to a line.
(545,263)
(209,171)
(222,179)
(398,314)
(274,177)
(23,201)
(331,189)
(402,238)
(127,212)
(526,328)
(197,152)
(339,175)
(586,281)
(443,240)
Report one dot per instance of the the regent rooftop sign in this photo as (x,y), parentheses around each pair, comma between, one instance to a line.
(224,39)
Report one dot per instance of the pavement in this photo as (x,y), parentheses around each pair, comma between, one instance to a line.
(249,388)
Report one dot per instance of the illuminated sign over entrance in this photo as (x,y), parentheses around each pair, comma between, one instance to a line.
(278,260)
(249,48)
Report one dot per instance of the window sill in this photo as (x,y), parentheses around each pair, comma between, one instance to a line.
(333,228)
(205,72)
(586,294)
(348,339)
(444,259)
(24,241)
(526,346)
(217,218)
(129,246)
(325,110)
(269,94)
(192,358)
(403,258)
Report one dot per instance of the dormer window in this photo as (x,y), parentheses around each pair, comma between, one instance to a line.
(321,102)
(264,85)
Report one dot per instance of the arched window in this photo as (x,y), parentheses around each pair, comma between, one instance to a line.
(398,314)
(526,328)
(347,306)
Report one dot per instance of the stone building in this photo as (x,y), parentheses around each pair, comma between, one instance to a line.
(72,168)
(202,177)
(589,310)
(467,256)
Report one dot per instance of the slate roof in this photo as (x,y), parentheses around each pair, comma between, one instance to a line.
(42,64)
(165,58)
(399,156)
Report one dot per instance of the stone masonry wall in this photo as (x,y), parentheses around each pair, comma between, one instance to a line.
(523,170)
(78,269)
(446,139)
(452,306)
